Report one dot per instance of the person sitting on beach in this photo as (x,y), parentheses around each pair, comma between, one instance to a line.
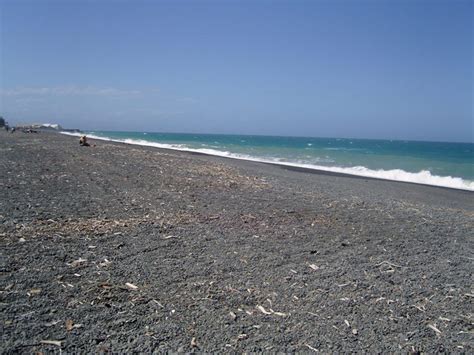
(83,141)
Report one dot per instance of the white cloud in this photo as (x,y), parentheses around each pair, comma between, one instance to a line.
(68,91)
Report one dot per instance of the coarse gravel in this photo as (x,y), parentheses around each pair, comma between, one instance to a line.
(125,248)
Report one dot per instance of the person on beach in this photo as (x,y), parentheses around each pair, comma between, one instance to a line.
(83,141)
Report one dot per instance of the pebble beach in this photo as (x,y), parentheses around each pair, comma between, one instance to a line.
(123,248)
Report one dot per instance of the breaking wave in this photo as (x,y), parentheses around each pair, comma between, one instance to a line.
(422,177)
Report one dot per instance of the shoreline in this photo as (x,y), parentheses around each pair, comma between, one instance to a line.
(127,248)
(453,196)
(334,171)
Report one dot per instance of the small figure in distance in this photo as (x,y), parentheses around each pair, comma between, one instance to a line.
(83,141)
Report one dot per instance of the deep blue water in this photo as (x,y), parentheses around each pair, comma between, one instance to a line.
(434,163)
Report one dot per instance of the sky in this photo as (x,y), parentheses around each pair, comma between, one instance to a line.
(388,69)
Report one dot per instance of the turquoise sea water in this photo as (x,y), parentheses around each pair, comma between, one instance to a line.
(433,163)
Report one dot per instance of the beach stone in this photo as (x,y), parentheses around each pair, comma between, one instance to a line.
(391,257)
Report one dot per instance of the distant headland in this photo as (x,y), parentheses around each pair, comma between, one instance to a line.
(36,127)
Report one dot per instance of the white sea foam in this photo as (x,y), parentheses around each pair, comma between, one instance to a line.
(423,177)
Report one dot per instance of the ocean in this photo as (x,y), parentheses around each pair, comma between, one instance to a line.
(432,163)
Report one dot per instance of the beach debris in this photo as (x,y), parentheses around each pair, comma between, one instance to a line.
(171,236)
(33,291)
(347,322)
(314,267)
(270,312)
(131,286)
(420,308)
(22,240)
(311,348)
(194,343)
(344,285)
(242,336)
(263,310)
(281,314)
(354,331)
(105,263)
(232,315)
(105,285)
(50,324)
(69,325)
(158,303)
(77,262)
(433,327)
(389,264)
(51,342)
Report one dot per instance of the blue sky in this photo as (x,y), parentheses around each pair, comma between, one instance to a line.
(400,69)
